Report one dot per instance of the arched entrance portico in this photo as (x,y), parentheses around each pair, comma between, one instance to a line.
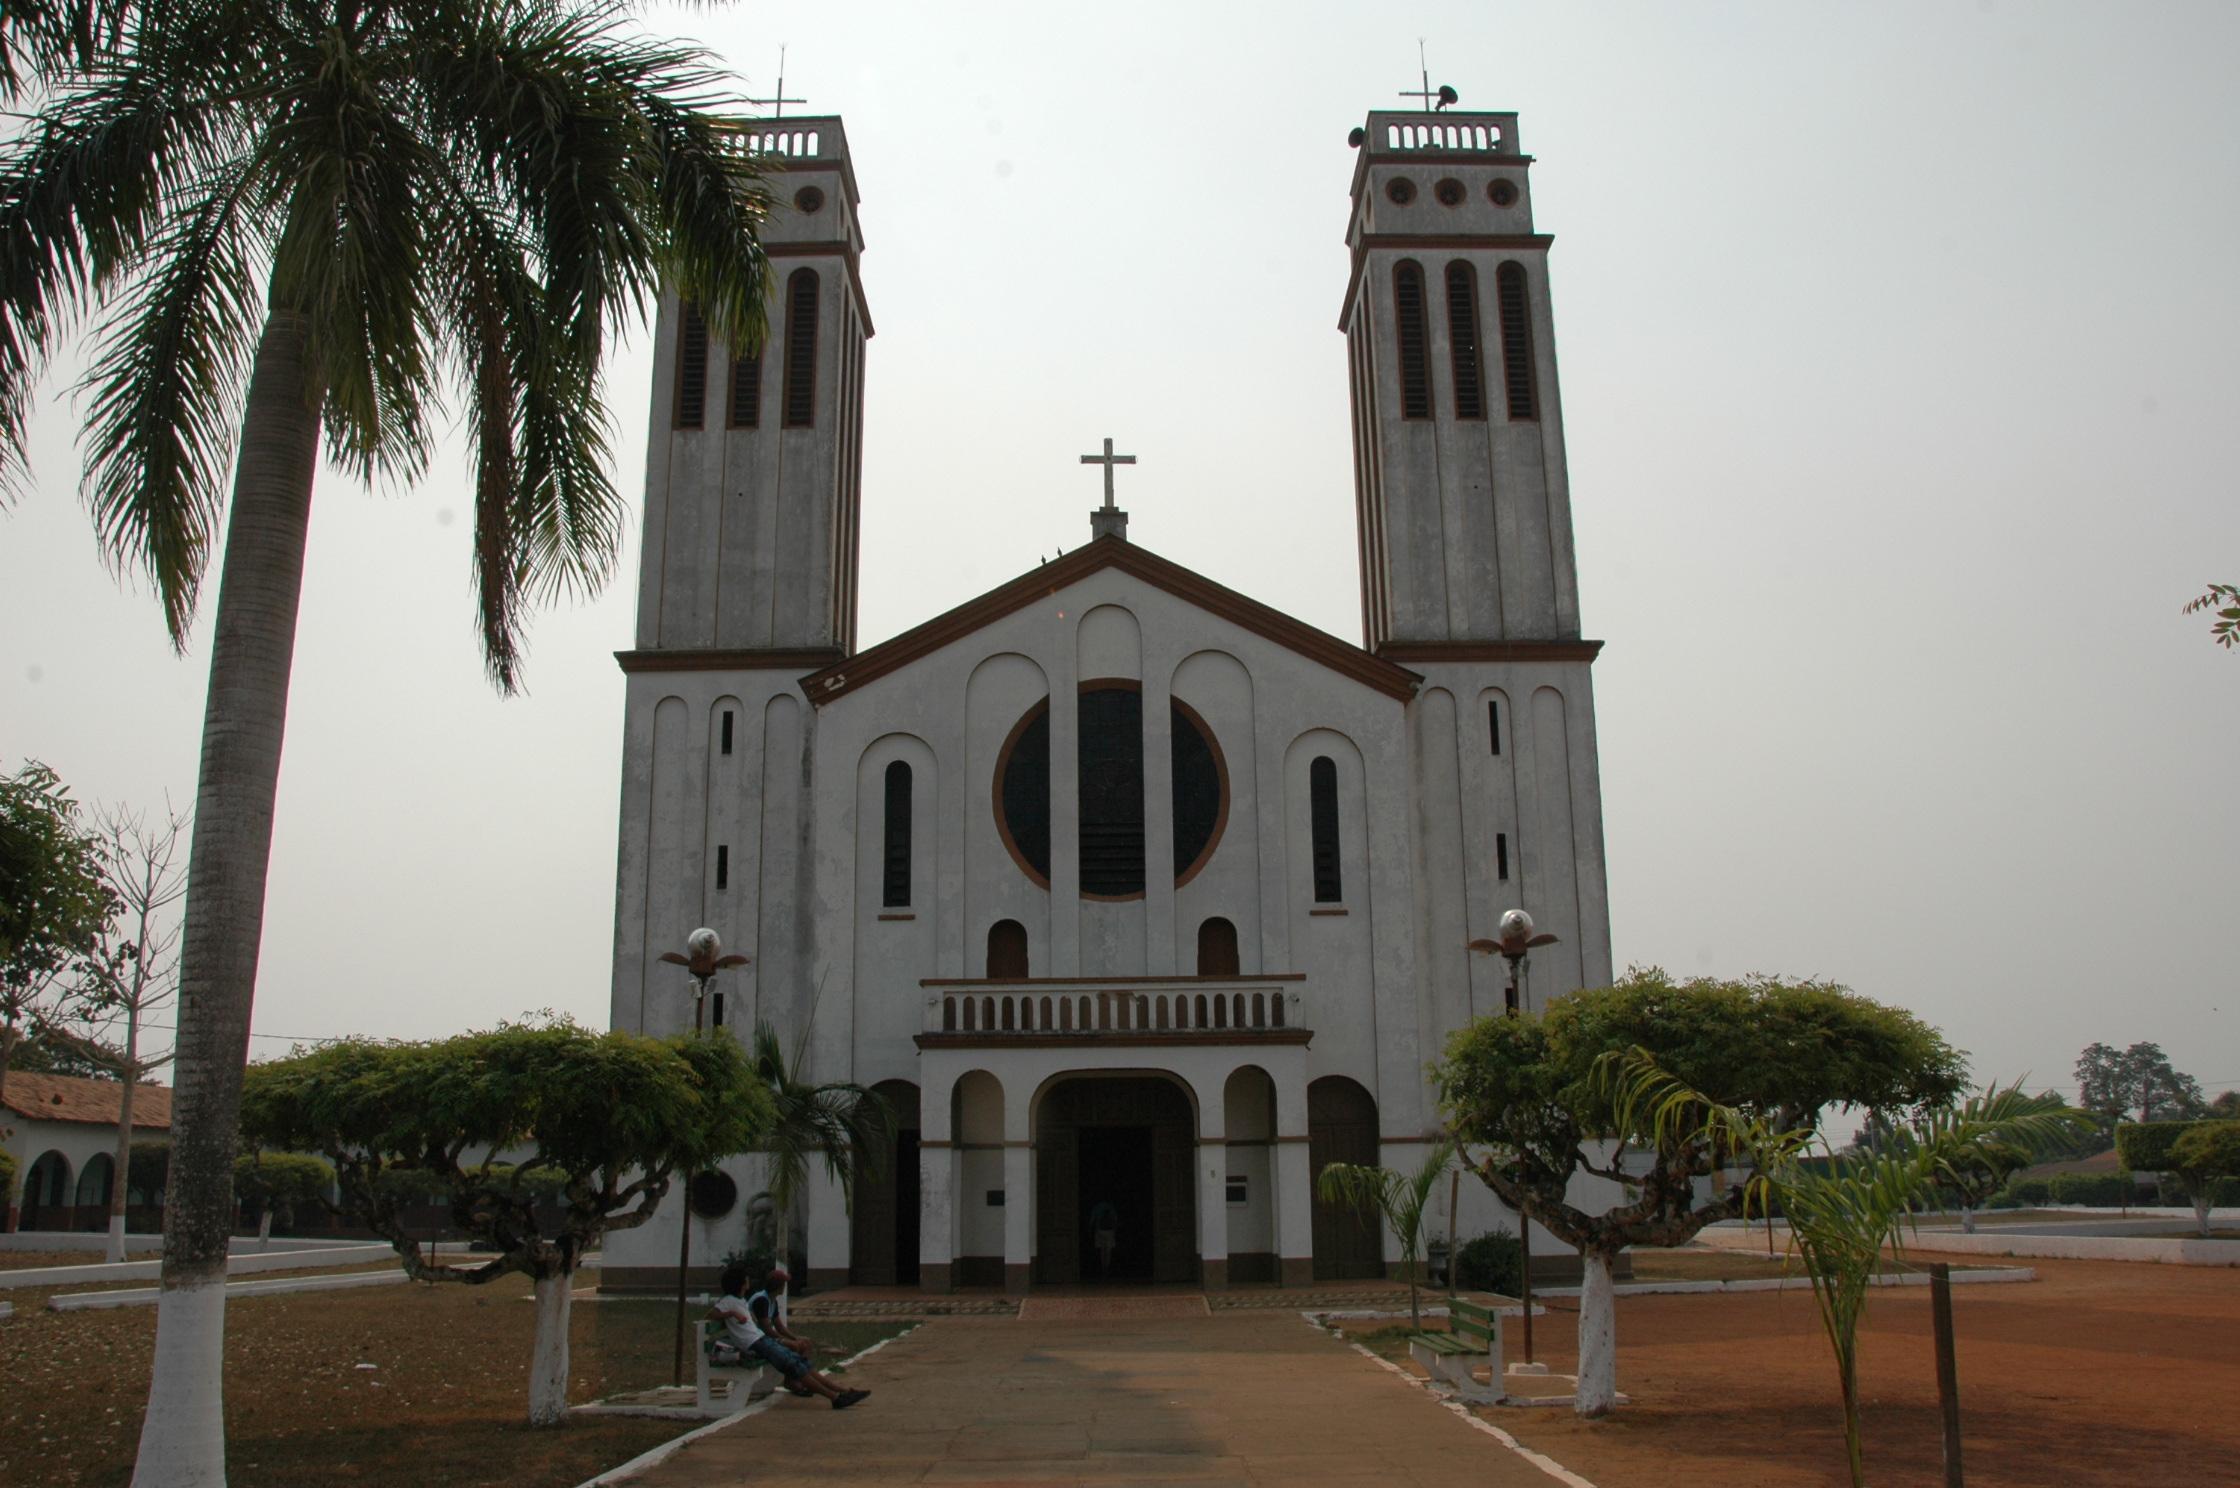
(1118,1147)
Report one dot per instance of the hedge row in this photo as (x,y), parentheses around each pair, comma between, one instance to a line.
(2103,1191)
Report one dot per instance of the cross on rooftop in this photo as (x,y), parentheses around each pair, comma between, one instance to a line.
(1441,95)
(778,104)
(1110,521)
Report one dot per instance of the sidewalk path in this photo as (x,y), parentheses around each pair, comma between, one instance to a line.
(1242,1398)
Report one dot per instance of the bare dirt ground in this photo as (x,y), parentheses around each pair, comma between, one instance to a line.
(2101,1374)
(445,1402)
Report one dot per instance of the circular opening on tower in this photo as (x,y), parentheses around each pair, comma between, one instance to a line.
(1399,191)
(808,201)
(1503,192)
(1449,192)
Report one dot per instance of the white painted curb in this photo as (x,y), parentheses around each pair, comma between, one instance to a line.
(276,1286)
(667,1449)
(236,1265)
(1546,1464)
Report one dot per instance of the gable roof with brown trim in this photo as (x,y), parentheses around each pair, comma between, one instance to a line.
(1349,660)
(37,1097)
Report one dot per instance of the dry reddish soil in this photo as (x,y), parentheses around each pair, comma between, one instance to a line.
(2101,1374)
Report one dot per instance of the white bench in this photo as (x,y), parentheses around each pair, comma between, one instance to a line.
(742,1383)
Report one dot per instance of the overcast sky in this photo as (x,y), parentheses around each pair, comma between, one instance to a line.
(1898,348)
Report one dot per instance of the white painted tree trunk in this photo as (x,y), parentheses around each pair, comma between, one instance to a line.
(116,1238)
(182,1441)
(2201,1210)
(1967,1219)
(548,1366)
(264,1228)
(1598,1338)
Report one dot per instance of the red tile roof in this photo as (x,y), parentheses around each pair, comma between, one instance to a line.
(69,1098)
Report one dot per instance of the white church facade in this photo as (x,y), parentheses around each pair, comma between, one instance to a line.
(1138,899)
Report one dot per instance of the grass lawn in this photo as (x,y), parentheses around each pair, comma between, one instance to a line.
(443,1401)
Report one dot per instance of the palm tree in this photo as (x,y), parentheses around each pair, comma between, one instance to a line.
(1399,1198)
(311,221)
(837,1123)
(1842,1208)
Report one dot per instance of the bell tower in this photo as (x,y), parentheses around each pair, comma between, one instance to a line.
(754,462)
(1463,504)
(747,580)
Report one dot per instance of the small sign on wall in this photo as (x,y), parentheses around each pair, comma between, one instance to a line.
(995,1198)
(1238,1189)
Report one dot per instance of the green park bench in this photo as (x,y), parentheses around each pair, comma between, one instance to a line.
(1473,1338)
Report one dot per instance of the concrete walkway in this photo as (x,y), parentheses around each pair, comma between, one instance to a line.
(1237,1398)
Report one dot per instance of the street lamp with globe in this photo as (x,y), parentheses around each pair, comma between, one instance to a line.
(703,957)
(1515,939)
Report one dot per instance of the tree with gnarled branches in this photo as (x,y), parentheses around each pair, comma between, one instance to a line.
(614,1117)
(1527,1092)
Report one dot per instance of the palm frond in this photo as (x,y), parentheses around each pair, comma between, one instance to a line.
(166,383)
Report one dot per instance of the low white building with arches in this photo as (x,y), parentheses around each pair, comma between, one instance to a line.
(62,1132)
(1137,899)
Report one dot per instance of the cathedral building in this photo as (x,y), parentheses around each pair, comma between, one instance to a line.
(1138,899)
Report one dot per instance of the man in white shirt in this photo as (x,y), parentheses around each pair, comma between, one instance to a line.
(747,1335)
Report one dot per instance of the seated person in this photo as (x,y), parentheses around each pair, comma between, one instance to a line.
(747,1336)
(771,1315)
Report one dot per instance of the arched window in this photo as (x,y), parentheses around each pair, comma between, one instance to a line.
(895,894)
(692,367)
(1007,950)
(746,392)
(801,349)
(1462,341)
(1217,948)
(1516,341)
(1415,344)
(1322,807)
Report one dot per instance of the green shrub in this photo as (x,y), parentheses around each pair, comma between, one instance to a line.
(2096,1190)
(281,1179)
(149,1171)
(1494,1262)
(412,1185)
(2145,1146)
(7,1177)
(2027,1193)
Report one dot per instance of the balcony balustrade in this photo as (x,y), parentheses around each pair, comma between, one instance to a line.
(1125,1009)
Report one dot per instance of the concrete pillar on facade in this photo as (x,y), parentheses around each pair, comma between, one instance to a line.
(937,1181)
(1294,1183)
(827,1224)
(1213,1186)
(1018,1186)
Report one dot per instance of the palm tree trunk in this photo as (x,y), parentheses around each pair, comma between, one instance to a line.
(182,1441)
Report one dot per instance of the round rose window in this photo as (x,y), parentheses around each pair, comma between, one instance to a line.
(1111,799)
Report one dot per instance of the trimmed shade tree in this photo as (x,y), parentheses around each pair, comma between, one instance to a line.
(1528,1091)
(275,1181)
(2196,1153)
(615,1117)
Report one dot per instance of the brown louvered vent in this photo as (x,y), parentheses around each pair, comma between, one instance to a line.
(692,367)
(746,392)
(1516,341)
(1415,349)
(1462,341)
(801,349)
